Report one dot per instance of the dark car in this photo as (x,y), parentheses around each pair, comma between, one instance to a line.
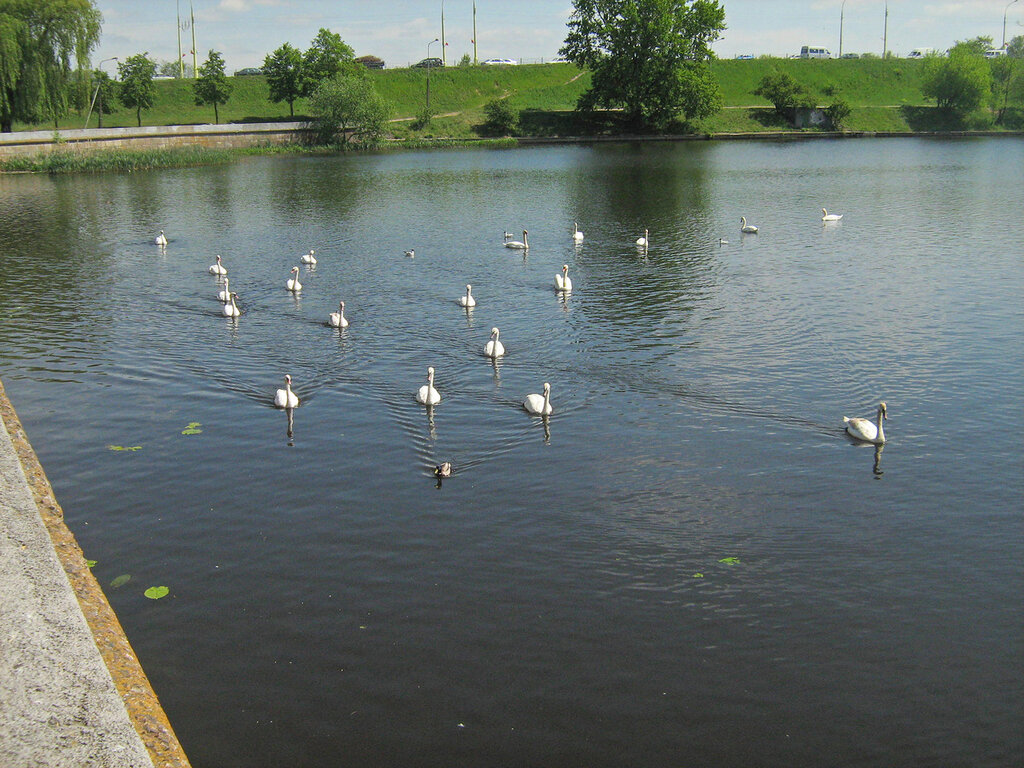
(429,63)
(371,62)
(249,71)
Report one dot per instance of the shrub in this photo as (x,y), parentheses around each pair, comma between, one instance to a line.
(501,119)
(837,112)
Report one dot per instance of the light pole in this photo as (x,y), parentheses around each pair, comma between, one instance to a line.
(1007,8)
(95,94)
(444,54)
(842,9)
(429,67)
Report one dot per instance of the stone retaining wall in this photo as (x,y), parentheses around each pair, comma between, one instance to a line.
(151,137)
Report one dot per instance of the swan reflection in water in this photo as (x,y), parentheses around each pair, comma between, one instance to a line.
(877,468)
(431,429)
(291,426)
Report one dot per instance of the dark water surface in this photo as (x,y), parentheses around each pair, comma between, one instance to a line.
(562,600)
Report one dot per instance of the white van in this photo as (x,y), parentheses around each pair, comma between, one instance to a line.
(995,53)
(813,52)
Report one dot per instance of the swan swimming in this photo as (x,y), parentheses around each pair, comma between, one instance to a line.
(230,309)
(643,241)
(338,319)
(467,300)
(293,283)
(161,239)
(826,216)
(522,246)
(750,229)
(285,398)
(563,283)
(225,295)
(427,394)
(864,429)
(494,348)
(218,268)
(539,405)
(308,258)
(576,234)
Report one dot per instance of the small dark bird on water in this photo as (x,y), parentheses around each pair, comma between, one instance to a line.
(443,470)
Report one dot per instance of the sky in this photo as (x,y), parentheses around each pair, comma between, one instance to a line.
(400,31)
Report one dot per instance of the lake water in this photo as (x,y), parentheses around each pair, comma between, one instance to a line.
(688,563)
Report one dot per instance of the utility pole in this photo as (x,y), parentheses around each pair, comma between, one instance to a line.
(842,9)
(444,56)
(195,68)
(885,33)
(474,31)
(181,62)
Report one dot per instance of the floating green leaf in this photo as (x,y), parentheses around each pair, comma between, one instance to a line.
(155,593)
(730,560)
(121,580)
(125,447)
(698,575)
(193,428)
(90,563)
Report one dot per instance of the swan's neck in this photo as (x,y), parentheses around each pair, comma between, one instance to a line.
(880,437)
(547,401)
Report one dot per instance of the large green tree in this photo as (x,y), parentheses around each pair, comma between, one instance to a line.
(960,82)
(42,43)
(283,70)
(327,56)
(136,76)
(212,86)
(348,107)
(650,57)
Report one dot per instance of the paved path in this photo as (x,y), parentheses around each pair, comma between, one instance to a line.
(59,705)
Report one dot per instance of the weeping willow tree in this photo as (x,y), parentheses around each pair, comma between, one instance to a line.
(42,45)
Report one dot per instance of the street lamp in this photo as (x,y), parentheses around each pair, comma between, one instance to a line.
(842,8)
(1004,20)
(429,67)
(99,114)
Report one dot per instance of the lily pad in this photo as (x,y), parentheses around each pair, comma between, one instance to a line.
(730,560)
(90,563)
(125,447)
(155,593)
(193,428)
(121,580)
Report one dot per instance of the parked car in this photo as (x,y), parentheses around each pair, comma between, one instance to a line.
(371,62)
(744,56)
(850,56)
(920,53)
(430,63)
(499,62)
(248,71)
(995,53)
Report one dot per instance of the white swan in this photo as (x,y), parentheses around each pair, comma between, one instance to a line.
(522,246)
(722,241)
(539,405)
(750,229)
(643,241)
(308,258)
(467,300)
(285,398)
(826,216)
(338,319)
(576,234)
(293,283)
(218,268)
(507,235)
(563,283)
(225,295)
(161,239)
(864,429)
(427,394)
(494,348)
(230,309)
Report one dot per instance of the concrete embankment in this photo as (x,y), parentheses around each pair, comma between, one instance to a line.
(232,135)
(72,692)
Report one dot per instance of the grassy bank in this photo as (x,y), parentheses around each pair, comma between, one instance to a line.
(885,96)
